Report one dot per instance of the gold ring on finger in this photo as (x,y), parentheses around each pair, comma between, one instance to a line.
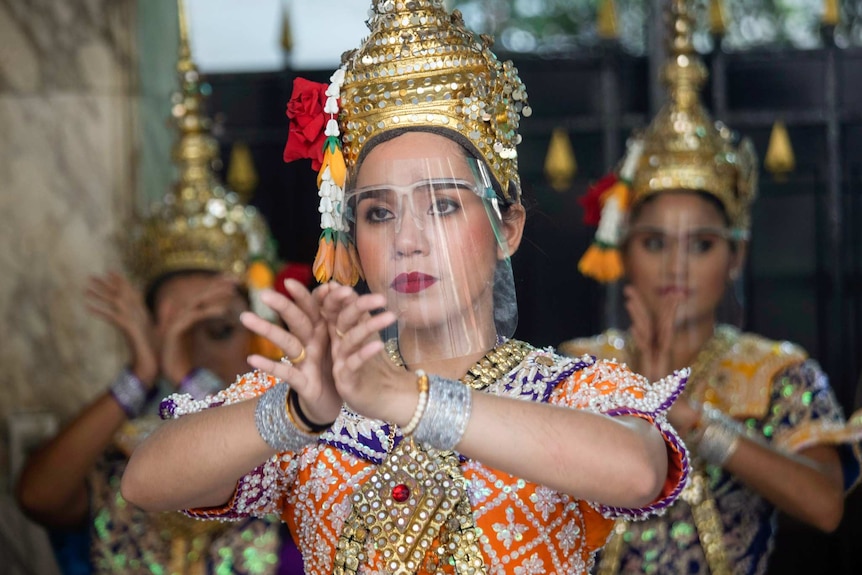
(294,360)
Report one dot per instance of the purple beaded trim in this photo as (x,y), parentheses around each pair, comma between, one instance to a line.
(200,383)
(130,393)
(660,506)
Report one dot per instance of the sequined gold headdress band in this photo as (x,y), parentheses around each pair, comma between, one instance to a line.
(419,69)
(681,150)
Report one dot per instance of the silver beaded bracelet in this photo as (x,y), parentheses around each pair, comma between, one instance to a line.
(274,424)
(446,414)
(720,437)
(130,392)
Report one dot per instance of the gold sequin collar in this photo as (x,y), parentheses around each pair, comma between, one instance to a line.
(496,363)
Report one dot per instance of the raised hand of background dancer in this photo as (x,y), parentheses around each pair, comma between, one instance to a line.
(179,315)
(653,337)
(112,298)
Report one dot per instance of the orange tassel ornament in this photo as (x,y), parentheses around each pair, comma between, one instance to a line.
(609,199)
(324,262)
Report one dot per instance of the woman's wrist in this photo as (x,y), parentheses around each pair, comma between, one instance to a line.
(693,423)
(299,417)
(716,437)
(422,386)
(176,373)
(274,423)
(444,419)
(130,393)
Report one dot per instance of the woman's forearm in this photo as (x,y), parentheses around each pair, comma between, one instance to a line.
(196,460)
(619,461)
(808,486)
(52,488)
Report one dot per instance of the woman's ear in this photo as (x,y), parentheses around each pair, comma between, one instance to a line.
(513,229)
(737,262)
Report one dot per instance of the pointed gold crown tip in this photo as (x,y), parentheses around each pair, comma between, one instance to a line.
(683,148)
(199,224)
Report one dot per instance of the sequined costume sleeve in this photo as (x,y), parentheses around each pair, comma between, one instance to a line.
(610,388)
(258,493)
(805,413)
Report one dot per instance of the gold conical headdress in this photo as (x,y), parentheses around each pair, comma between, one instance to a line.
(422,68)
(683,148)
(199,224)
(419,69)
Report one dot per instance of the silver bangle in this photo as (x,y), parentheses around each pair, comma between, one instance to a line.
(130,392)
(720,437)
(274,424)
(446,414)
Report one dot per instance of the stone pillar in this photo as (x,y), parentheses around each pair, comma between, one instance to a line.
(68,99)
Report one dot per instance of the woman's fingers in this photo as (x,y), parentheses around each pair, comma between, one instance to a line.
(349,309)
(282,370)
(641,326)
(303,298)
(337,298)
(356,360)
(365,331)
(637,308)
(296,319)
(105,312)
(667,323)
(285,340)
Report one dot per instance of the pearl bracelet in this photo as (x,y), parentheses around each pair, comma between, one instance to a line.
(422,384)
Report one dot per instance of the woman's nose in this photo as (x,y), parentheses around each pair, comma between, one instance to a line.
(676,262)
(410,235)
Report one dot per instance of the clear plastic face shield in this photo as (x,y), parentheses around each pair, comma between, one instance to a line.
(430,237)
(682,260)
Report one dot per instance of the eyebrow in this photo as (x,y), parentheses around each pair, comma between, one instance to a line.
(723,232)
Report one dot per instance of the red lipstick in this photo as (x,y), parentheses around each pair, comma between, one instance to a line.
(413,282)
(674,290)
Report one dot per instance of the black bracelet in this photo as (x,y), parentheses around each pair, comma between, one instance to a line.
(293,397)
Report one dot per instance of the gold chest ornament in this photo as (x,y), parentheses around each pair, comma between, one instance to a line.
(418,496)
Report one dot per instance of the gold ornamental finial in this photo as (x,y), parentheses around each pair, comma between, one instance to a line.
(717,17)
(286,30)
(831,13)
(241,173)
(184,62)
(199,224)
(560,163)
(606,20)
(780,159)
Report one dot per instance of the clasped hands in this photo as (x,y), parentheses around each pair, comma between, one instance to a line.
(333,353)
